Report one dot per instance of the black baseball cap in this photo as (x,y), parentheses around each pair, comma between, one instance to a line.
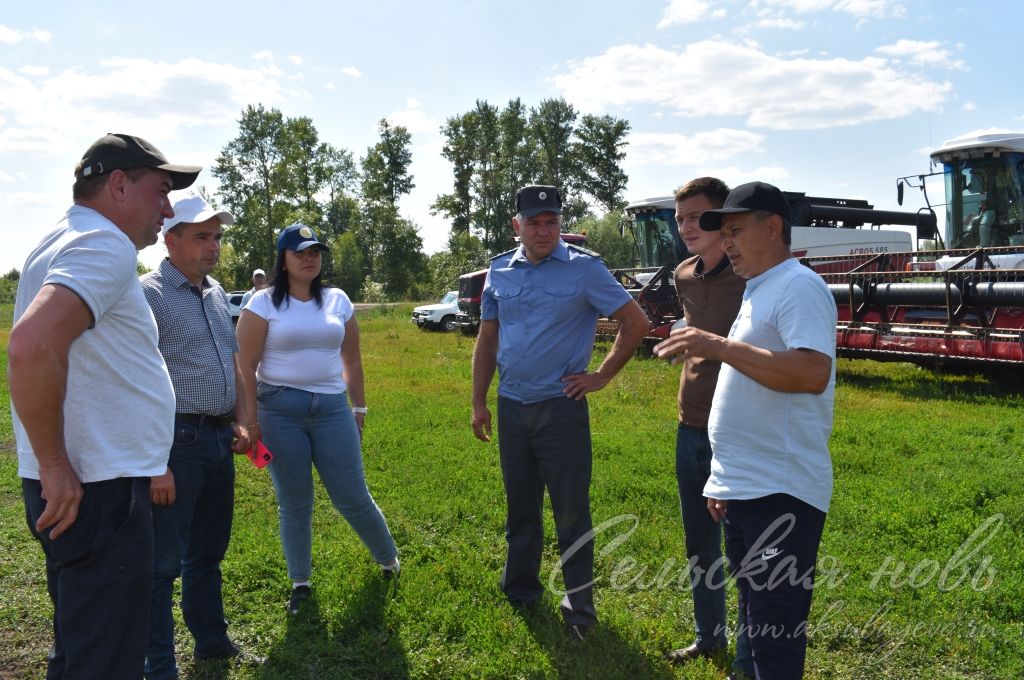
(746,198)
(115,151)
(298,237)
(537,198)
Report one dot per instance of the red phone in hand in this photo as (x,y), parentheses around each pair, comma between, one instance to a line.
(259,454)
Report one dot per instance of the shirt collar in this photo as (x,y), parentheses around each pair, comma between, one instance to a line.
(561,252)
(175,277)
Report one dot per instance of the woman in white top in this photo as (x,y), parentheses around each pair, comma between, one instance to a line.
(299,351)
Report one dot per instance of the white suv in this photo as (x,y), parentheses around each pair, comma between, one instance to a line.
(440,315)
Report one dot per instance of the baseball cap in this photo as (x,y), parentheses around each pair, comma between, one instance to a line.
(746,198)
(258,272)
(192,209)
(537,198)
(116,151)
(298,237)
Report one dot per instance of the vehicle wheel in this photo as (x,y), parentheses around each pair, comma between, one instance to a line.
(448,323)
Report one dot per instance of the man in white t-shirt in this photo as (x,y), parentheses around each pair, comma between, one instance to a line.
(259,282)
(93,406)
(770,422)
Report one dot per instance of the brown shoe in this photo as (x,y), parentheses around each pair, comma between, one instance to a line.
(680,656)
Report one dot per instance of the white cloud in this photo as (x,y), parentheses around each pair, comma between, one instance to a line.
(295,59)
(4,177)
(12,36)
(352,71)
(921,53)
(329,86)
(783,23)
(34,70)
(48,113)
(969,106)
(742,80)
(413,119)
(264,55)
(858,8)
(688,11)
(650,148)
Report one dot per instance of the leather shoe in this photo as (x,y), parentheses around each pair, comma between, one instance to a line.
(679,656)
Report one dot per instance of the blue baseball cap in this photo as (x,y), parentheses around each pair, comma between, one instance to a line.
(298,237)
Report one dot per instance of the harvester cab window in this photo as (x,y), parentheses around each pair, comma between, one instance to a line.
(985,201)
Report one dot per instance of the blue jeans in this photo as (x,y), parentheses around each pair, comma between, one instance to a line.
(191,538)
(98,573)
(703,537)
(547,444)
(303,429)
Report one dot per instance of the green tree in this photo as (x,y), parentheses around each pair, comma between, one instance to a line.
(253,181)
(348,263)
(386,175)
(552,124)
(599,153)
(604,237)
(460,150)
(466,254)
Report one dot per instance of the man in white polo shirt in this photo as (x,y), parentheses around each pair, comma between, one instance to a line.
(94,406)
(771,417)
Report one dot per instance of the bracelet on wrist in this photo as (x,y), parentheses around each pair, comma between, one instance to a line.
(359,409)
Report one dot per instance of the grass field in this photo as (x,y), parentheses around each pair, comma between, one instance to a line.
(921,565)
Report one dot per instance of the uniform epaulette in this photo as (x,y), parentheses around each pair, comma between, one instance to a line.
(507,252)
(582,250)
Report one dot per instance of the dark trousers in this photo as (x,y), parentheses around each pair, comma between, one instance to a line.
(191,537)
(98,573)
(772,545)
(547,444)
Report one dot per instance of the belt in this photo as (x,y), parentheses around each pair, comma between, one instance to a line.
(200,420)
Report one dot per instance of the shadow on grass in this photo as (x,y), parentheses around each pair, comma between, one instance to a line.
(603,649)
(930,384)
(359,643)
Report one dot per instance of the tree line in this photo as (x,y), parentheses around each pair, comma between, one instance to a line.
(277,171)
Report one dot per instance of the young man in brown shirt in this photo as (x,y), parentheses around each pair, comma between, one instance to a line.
(710,294)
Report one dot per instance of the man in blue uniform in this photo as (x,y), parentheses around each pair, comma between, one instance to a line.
(539,311)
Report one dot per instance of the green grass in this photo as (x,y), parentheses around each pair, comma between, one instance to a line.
(921,463)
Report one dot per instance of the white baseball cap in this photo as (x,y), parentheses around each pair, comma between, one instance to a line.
(258,272)
(192,209)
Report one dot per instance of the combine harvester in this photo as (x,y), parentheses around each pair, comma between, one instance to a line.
(961,307)
(829,230)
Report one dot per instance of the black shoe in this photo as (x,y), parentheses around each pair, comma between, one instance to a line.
(228,652)
(578,632)
(299,595)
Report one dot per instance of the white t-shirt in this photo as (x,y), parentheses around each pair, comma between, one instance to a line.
(763,441)
(303,345)
(119,406)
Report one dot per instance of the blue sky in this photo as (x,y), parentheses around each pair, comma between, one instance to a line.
(830,97)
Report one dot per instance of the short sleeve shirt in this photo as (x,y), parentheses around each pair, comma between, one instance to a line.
(303,344)
(197,339)
(119,406)
(764,441)
(547,315)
